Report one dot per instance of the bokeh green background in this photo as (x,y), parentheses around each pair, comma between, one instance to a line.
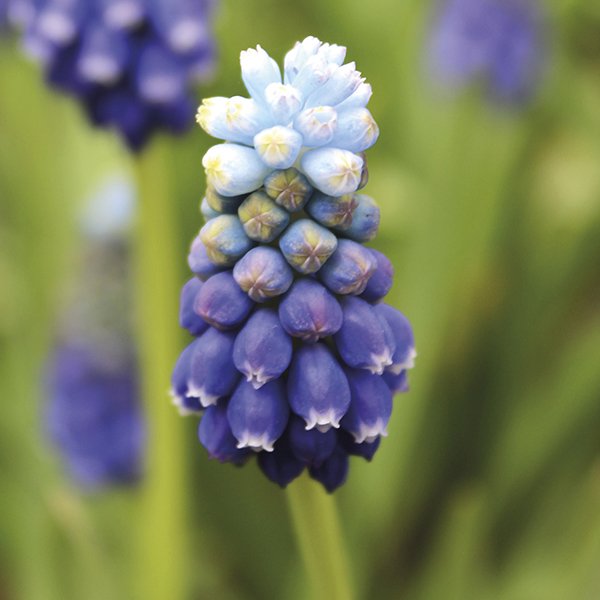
(488,486)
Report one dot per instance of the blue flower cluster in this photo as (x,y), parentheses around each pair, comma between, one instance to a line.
(498,41)
(131,62)
(296,357)
(93,414)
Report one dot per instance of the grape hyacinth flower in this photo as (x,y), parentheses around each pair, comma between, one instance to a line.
(497,41)
(132,63)
(296,357)
(93,414)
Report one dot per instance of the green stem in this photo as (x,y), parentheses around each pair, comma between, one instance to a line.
(163,516)
(317,525)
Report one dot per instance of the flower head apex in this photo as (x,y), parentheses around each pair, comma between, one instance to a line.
(314,119)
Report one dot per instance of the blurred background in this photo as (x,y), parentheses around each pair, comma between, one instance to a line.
(487,173)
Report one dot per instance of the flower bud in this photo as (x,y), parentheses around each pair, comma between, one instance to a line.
(370,407)
(258,416)
(365,449)
(405,353)
(333,171)
(222,303)
(223,204)
(306,245)
(365,220)
(311,446)
(317,125)
(332,211)
(356,131)
(259,70)
(278,146)
(207,212)
(349,268)
(244,118)
(298,56)
(333,53)
(317,387)
(380,283)
(199,262)
(341,85)
(225,240)
(334,471)
(263,273)
(312,75)
(288,188)
(262,349)
(233,169)
(364,175)
(284,102)
(262,219)
(359,99)
(188,319)
(281,466)
(212,115)
(212,372)
(309,311)
(214,433)
(364,341)
(398,384)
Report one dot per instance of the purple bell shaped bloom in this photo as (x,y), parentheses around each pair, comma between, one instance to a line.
(222,302)
(281,466)
(289,188)
(199,262)
(405,353)
(188,318)
(263,220)
(311,446)
(212,371)
(103,54)
(333,472)
(366,449)
(181,374)
(263,274)
(332,211)
(380,283)
(365,341)
(398,384)
(262,349)
(317,387)
(258,417)
(223,204)
(349,268)
(370,407)
(225,240)
(365,220)
(307,245)
(309,311)
(215,435)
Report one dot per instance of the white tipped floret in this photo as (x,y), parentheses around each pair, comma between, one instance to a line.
(198,392)
(408,363)
(255,442)
(368,433)
(379,362)
(323,421)
(182,409)
(57,27)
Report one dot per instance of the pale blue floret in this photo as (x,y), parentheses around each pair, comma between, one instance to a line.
(364,341)
(310,311)
(370,408)
(212,372)
(349,268)
(259,70)
(207,212)
(258,416)
(317,387)
(342,84)
(278,146)
(332,211)
(318,126)
(263,273)
(307,245)
(233,169)
(356,130)
(220,204)
(333,171)
(222,303)
(284,102)
(359,99)
(405,353)
(199,262)
(365,220)
(225,240)
(262,349)
(262,218)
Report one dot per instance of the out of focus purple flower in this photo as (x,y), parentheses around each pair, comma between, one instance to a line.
(132,63)
(498,42)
